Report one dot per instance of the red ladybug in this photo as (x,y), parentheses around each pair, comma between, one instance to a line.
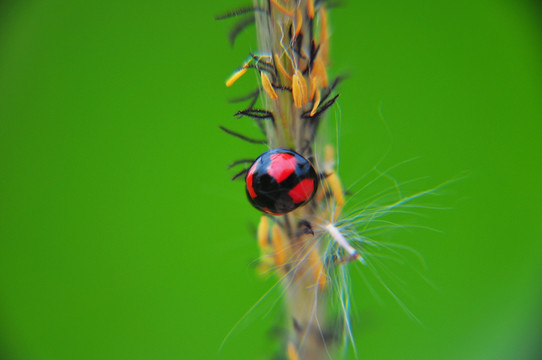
(280,181)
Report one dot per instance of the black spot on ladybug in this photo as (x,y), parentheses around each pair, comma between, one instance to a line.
(280,181)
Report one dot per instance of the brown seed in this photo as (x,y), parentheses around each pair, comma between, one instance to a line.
(310,8)
(316,102)
(266,83)
(236,76)
(296,91)
(281,68)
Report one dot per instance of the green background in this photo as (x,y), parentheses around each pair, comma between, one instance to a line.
(121,236)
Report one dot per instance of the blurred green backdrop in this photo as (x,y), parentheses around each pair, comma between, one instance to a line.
(121,236)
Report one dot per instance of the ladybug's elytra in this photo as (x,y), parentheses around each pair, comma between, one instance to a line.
(280,181)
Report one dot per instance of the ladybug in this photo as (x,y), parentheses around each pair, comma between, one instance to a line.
(280,181)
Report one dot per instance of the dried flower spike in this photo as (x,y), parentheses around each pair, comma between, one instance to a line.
(296,183)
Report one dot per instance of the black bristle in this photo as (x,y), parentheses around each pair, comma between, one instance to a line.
(242,137)
(252,95)
(241,161)
(238,28)
(239,174)
(238,12)
(321,109)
